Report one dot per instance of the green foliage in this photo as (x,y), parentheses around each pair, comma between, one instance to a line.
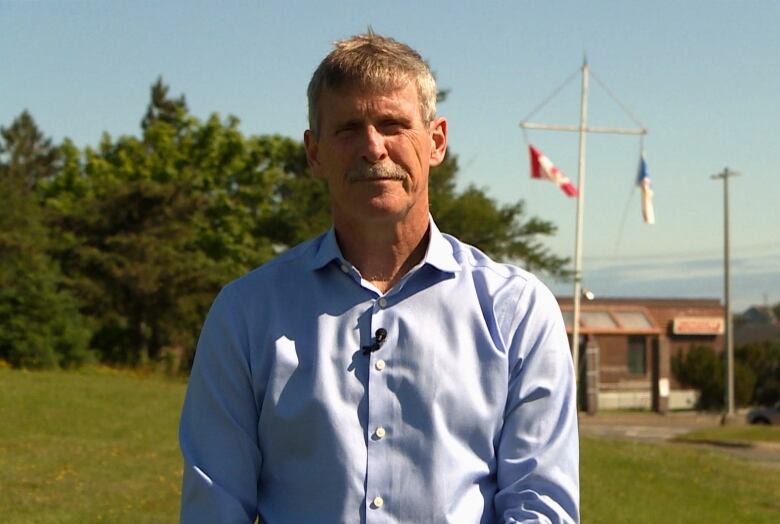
(40,325)
(500,231)
(703,369)
(162,108)
(160,223)
(763,359)
(26,155)
(138,233)
(756,374)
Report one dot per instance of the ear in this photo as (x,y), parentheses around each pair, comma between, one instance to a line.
(438,141)
(311,144)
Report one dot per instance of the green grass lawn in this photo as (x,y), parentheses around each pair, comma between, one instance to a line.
(100,446)
(88,447)
(629,481)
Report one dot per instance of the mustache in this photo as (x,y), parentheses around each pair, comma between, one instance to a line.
(365,171)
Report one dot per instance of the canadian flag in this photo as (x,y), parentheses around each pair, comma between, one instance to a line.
(542,167)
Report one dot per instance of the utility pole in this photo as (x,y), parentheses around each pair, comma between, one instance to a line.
(725,175)
(583,129)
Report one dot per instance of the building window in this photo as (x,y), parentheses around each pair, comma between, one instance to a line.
(637,362)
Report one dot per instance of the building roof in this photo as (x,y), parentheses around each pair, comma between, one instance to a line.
(758,315)
(644,301)
(637,316)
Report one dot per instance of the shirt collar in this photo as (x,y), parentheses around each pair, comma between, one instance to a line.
(439,252)
(326,250)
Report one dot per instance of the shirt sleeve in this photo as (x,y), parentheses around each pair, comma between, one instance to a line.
(218,427)
(538,451)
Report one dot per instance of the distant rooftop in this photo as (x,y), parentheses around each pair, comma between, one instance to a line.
(645,301)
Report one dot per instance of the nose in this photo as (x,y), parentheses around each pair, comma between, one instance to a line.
(374,149)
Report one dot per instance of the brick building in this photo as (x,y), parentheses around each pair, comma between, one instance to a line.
(626,345)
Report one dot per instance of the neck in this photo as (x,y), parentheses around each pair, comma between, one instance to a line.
(383,252)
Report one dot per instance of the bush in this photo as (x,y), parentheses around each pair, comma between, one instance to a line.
(703,369)
(763,359)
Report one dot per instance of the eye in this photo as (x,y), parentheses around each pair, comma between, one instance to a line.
(391,126)
(346,130)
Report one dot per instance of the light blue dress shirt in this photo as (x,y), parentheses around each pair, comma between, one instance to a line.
(465,414)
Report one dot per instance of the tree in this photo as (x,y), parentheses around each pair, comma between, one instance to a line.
(701,368)
(163,108)
(300,203)
(40,323)
(26,154)
(148,228)
(500,231)
(162,221)
(763,359)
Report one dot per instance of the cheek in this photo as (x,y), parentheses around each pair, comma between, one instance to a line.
(415,151)
(334,160)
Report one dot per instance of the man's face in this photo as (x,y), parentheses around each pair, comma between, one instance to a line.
(375,152)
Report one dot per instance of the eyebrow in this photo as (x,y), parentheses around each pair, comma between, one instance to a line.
(352,122)
(382,118)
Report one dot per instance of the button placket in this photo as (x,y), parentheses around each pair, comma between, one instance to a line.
(380,409)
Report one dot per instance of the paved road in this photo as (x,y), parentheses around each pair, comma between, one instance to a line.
(664,428)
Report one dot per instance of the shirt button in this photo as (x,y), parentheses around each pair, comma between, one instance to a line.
(344,268)
(382,302)
(379,365)
(380,432)
(378,502)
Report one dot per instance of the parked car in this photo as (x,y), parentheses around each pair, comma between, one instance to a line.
(764,415)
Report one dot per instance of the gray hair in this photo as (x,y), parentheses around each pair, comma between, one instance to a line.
(374,62)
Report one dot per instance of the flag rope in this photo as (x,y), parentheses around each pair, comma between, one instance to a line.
(553,95)
(623,106)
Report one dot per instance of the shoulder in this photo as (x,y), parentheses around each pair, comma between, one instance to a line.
(286,269)
(517,298)
(474,261)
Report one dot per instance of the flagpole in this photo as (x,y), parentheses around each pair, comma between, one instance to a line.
(583,130)
(575,331)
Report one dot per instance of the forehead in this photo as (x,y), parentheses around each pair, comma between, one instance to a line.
(363,102)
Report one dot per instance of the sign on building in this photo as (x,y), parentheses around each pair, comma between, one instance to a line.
(697,326)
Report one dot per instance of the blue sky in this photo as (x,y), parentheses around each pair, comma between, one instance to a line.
(702,77)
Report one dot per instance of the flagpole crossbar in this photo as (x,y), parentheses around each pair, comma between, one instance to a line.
(583,130)
(577,129)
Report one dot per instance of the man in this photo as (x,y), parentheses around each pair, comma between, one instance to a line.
(384,371)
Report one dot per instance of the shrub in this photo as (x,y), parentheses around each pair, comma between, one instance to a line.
(703,369)
(763,359)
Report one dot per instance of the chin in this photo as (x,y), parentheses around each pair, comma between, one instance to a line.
(384,212)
